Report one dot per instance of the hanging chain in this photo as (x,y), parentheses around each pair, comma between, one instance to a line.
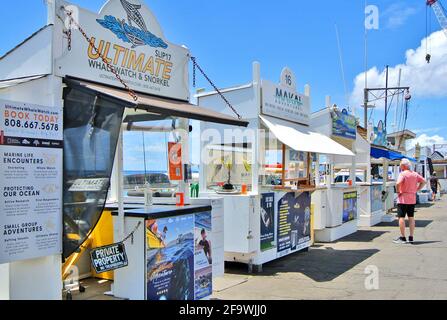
(196,65)
(132,233)
(92,44)
(69,34)
(130,236)
(193,74)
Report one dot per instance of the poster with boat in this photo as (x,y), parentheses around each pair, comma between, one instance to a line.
(170,258)
(293,222)
(344,125)
(203,261)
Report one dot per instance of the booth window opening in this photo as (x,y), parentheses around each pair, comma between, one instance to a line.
(147,163)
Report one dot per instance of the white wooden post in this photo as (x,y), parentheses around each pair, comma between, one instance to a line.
(317,171)
(258,147)
(184,140)
(118,186)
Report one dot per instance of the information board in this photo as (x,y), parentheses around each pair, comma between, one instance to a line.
(31,150)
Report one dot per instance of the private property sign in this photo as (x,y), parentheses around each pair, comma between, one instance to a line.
(109,258)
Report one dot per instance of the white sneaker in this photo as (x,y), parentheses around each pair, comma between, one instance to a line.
(400,240)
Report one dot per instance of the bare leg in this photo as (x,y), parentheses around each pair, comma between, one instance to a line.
(412,226)
(402,226)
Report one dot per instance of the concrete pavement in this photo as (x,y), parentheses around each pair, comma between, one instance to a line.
(338,270)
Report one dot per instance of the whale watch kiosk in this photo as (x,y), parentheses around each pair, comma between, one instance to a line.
(266,173)
(68,94)
(336,201)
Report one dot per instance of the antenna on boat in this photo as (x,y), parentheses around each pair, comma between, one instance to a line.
(342,67)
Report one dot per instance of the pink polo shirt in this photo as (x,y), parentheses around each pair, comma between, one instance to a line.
(409,183)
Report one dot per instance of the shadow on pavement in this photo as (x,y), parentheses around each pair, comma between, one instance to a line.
(363,236)
(321,265)
(425,205)
(419,223)
(419,243)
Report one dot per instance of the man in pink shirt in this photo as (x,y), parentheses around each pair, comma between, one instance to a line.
(408,185)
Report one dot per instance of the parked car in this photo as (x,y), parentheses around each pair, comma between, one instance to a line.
(343,177)
(159,184)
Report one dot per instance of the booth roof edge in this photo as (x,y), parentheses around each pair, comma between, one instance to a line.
(24,41)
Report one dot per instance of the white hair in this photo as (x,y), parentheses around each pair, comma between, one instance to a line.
(406,163)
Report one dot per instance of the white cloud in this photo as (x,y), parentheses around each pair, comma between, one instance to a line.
(397,15)
(425,80)
(429,130)
(428,141)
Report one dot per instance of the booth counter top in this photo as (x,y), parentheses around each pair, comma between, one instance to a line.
(343,187)
(364,184)
(163,211)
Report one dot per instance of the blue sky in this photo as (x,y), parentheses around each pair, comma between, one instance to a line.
(226,36)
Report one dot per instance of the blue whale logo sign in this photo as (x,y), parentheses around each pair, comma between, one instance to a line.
(134,30)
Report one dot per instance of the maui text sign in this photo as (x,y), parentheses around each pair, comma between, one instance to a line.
(283,101)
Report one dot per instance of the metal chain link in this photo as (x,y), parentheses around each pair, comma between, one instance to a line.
(194,75)
(91,42)
(196,65)
(69,35)
(132,233)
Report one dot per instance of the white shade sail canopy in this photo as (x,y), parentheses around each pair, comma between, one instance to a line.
(305,140)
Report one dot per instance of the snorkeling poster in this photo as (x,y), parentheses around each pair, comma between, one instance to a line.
(293,222)
(267,221)
(203,262)
(170,258)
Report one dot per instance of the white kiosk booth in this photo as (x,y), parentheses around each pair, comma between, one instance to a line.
(58,201)
(267,173)
(336,201)
(371,202)
(377,193)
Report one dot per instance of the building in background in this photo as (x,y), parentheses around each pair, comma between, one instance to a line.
(399,139)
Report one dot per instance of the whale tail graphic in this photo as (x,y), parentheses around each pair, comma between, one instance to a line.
(133,14)
(133,31)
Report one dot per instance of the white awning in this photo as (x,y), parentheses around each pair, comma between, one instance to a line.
(305,140)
